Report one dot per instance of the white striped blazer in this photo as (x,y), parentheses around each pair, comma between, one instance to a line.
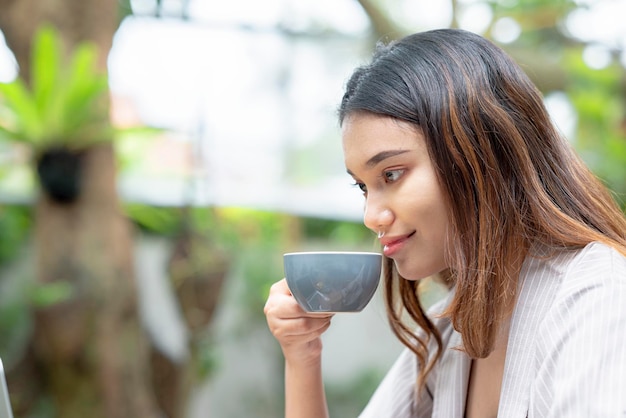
(566,353)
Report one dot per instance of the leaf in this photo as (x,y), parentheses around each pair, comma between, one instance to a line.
(85,113)
(19,101)
(49,294)
(68,103)
(46,66)
(8,135)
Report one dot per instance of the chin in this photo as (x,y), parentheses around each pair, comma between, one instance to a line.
(410,274)
(414,273)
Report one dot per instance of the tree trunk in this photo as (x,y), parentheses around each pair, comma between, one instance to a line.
(77,20)
(89,347)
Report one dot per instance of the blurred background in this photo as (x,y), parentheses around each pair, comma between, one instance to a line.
(157,158)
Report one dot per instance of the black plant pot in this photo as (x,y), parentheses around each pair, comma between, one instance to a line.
(60,173)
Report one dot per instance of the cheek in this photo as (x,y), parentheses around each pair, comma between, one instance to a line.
(426,200)
(438,225)
(431,215)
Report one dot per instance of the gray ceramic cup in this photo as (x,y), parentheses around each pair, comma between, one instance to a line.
(328,281)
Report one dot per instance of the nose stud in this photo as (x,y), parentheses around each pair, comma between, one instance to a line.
(381,234)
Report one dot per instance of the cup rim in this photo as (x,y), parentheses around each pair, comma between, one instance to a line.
(332,252)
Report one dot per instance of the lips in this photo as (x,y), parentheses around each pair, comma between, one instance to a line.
(391,245)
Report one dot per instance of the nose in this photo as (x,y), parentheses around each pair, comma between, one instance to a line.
(377,217)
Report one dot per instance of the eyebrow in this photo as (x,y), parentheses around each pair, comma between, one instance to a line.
(381,156)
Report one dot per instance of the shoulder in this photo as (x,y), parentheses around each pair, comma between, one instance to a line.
(599,259)
(596,268)
(569,294)
(572,273)
(581,291)
(579,357)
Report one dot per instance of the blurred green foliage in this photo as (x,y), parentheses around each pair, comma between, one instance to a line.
(43,295)
(15,228)
(337,232)
(65,103)
(601,109)
(15,318)
(154,219)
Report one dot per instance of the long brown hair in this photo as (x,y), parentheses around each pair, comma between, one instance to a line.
(509,177)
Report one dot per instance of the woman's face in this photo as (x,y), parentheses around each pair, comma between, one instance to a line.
(389,161)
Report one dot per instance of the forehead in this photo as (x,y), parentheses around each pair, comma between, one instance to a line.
(366,134)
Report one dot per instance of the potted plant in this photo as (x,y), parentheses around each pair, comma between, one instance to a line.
(59,113)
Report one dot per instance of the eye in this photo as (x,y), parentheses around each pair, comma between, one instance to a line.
(391,176)
(361,186)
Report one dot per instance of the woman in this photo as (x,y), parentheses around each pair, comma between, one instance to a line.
(465,176)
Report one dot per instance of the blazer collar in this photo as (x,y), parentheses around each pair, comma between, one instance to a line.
(451,386)
(537,277)
(539,281)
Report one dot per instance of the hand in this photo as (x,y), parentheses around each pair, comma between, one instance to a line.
(298,332)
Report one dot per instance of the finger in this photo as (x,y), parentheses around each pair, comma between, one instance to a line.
(289,335)
(320,314)
(280,287)
(280,304)
(286,307)
(298,327)
(276,297)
